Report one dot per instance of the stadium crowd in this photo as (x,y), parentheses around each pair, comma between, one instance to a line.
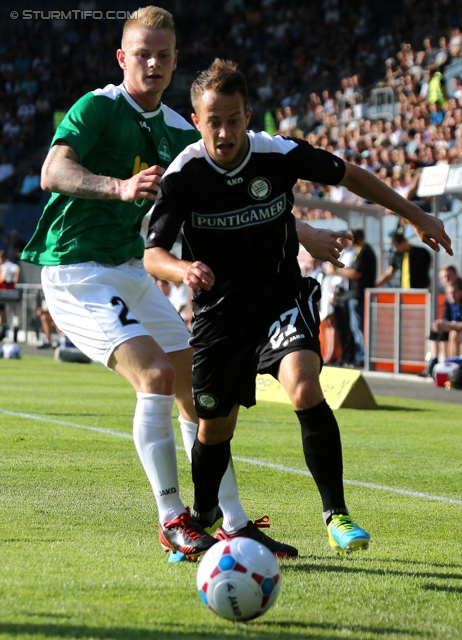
(311,68)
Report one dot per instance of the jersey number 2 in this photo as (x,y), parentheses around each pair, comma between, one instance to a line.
(116,301)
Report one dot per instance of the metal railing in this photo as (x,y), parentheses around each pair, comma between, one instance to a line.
(22,324)
(396,329)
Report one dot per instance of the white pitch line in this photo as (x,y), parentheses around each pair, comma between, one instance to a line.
(258,463)
(107,432)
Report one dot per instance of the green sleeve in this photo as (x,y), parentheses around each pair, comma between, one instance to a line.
(84,123)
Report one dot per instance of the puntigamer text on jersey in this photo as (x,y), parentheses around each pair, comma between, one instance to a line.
(241,218)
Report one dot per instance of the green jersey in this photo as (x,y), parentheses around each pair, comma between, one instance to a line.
(113,137)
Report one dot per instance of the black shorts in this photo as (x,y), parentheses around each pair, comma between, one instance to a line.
(230,349)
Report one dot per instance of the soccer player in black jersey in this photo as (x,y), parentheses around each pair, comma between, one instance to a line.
(231,193)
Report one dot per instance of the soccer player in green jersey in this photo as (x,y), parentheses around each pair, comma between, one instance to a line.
(103,169)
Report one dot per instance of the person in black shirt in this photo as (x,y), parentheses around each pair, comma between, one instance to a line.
(361,275)
(232,194)
(413,262)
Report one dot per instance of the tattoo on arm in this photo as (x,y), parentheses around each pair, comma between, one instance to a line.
(69,178)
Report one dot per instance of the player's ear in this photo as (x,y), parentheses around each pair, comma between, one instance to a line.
(195,120)
(248,114)
(121,58)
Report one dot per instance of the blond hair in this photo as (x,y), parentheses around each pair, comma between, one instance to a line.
(152,17)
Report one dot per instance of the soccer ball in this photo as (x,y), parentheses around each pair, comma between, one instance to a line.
(238,579)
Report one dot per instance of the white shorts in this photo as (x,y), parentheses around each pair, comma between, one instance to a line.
(99,307)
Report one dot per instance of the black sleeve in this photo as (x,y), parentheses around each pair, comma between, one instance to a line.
(316,165)
(168,214)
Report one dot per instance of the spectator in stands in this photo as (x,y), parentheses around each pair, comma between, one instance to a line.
(288,124)
(43,114)
(26,109)
(11,128)
(452,315)
(443,55)
(455,42)
(405,56)
(14,245)
(412,262)
(361,275)
(9,271)
(341,296)
(180,297)
(448,274)
(426,58)
(423,84)
(48,326)
(313,268)
(456,89)
(163,285)
(9,277)
(30,191)
(7,178)
(331,349)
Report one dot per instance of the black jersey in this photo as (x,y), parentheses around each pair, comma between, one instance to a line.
(240,222)
(419,267)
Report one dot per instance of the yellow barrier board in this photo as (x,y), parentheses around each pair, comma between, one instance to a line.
(342,388)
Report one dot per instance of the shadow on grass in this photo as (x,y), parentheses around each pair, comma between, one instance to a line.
(272,631)
(444,588)
(414,573)
(394,407)
(353,630)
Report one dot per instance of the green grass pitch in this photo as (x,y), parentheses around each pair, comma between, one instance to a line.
(78,527)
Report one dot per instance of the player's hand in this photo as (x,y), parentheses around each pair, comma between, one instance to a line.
(144,184)
(322,243)
(439,325)
(199,276)
(431,231)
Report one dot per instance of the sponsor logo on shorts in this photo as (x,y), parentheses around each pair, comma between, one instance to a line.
(298,336)
(207,401)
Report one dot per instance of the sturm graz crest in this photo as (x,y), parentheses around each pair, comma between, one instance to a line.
(259,188)
(207,400)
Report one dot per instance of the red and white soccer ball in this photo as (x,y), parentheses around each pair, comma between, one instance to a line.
(238,579)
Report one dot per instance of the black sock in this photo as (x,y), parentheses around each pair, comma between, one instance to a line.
(209,463)
(323,453)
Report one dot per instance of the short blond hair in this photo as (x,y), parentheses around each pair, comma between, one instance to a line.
(152,17)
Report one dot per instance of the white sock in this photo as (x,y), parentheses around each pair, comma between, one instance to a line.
(234,516)
(155,443)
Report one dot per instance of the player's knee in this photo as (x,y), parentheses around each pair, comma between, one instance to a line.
(306,393)
(212,432)
(159,378)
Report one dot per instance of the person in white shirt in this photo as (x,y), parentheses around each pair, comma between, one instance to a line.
(180,297)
